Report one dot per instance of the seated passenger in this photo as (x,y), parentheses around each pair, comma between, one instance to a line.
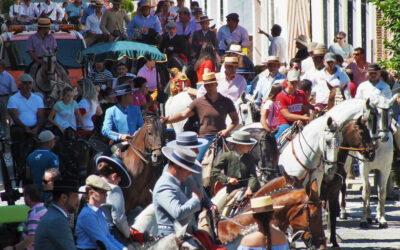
(89,102)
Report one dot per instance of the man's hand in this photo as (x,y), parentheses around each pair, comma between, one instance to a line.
(213,207)
(223,133)
(110,37)
(197,193)
(144,30)
(233,181)
(125,137)
(170,48)
(164,120)
(248,193)
(136,132)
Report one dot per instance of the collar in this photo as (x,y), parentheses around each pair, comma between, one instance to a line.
(286,93)
(94,208)
(173,178)
(170,37)
(40,204)
(61,210)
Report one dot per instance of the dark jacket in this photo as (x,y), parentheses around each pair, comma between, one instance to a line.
(199,39)
(178,42)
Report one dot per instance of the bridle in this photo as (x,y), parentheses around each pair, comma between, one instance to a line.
(143,155)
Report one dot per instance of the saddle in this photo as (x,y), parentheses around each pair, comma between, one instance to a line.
(236,201)
(119,148)
(287,136)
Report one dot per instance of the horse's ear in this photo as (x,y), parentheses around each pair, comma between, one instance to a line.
(303,177)
(367,103)
(243,97)
(331,124)
(330,87)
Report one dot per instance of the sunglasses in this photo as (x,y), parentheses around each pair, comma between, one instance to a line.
(339,38)
(45,181)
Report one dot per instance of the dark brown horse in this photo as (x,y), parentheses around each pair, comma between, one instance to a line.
(356,137)
(301,209)
(143,159)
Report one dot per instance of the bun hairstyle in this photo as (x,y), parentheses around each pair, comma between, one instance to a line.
(104,169)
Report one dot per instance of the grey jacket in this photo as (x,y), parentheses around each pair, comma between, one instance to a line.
(54,232)
(114,209)
(171,204)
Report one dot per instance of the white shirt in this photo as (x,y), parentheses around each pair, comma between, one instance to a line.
(93,24)
(150,76)
(338,79)
(54,9)
(277,48)
(32,11)
(90,112)
(238,35)
(14,10)
(231,89)
(366,90)
(307,64)
(27,108)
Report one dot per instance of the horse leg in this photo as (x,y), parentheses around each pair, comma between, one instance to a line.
(380,210)
(364,171)
(333,213)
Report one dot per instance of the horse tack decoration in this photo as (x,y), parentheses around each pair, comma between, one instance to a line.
(179,81)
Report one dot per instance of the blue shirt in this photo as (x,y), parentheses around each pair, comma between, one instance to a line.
(190,28)
(264,85)
(118,121)
(238,35)
(39,161)
(73,10)
(138,21)
(7,84)
(91,226)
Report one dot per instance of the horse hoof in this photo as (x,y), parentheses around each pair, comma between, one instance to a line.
(364,224)
(369,220)
(383,225)
(335,245)
(343,216)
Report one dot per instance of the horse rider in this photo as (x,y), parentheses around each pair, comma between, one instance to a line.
(39,42)
(123,120)
(186,26)
(91,226)
(236,169)
(244,61)
(170,201)
(374,85)
(112,22)
(114,171)
(27,112)
(7,89)
(292,104)
(54,231)
(173,44)
(28,12)
(74,11)
(230,84)
(232,32)
(212,109)
(205,35)
(144,24)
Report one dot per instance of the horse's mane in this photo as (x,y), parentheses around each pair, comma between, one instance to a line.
(157,125)
(340,112)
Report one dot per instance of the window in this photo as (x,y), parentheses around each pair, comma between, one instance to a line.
(221,10)
(350,21)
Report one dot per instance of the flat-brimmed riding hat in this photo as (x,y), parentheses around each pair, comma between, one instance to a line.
(95,181)
(183,157)
(187,139)
(208,78)
(319,50)
(25,78)
(119,168)
(197,10)
(261,204)
(241,137)
(44,22)
(374,67)
(330,57)
(145,3)
(204,19)
(235,48)
(231,60)
(99,3)
(122,90)
(45,136)
(272,59)
(66,186)
(302,39)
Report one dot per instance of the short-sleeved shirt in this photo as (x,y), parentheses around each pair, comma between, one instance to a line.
(27,108)
(39,161)
(343,51)
(65,115)
(273,115)
(74,10)
(238,35)
(90,108)
(150,75)
(32,221)
(36,44)
(293,103)
(212,115)
(7,84)
(138,99)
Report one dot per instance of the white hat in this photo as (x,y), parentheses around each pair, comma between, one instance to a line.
(187,139)
(293,75)
(241,137)
(183,157)
(46,136)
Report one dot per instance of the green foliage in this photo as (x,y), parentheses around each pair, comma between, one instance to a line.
(391,21)
(6,4)
(127,5)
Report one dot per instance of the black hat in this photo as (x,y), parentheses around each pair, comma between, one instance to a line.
(122,90)
(119,168)
(233,16)
(66,186)
(374,67)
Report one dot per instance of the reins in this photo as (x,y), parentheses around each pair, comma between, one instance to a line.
(141,154)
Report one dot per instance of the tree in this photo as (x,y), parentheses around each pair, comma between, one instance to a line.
(6,4)
(391,21)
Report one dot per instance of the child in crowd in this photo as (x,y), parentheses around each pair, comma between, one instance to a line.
(269,111)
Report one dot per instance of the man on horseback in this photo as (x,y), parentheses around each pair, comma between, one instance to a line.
(374,85)
(236,169)
(112,22)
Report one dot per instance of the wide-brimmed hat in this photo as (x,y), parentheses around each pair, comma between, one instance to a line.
(183,157)
(231,60)
(302,39)
(293,75)
(122,90)
(330,57)
(97,182)
(119,168)
(261,204)
(204,19)
(272,59)
(145,3)
(44,22)
(241,137)
(197,10)
(374,67)
(46,136)
(319,50)
(116,1)
(235,48)
(99,3)
(208,77)
(25,78)
(187,139)
(66,186)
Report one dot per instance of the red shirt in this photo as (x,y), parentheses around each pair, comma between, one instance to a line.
(353,89)
(293,103)
(206,64)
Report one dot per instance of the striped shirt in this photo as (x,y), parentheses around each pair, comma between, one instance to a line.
(32,221)
(100,77)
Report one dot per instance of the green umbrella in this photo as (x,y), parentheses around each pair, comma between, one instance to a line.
(122,49)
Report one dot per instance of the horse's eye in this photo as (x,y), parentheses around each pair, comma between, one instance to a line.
(244,111)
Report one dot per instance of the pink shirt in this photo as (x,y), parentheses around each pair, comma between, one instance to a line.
(150,76)
(138,98)
(32,221)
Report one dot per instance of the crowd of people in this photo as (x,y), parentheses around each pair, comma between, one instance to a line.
(287,92)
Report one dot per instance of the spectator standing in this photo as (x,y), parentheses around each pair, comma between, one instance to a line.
(342,48)
(272,76)
(42,158)
(277,46)
(149,72)
(51,10)
(203,36)
(54,231)
(32,198)
(89,103)
(232,32)
(7,88)
(112,22)
(28,12)
(359,66)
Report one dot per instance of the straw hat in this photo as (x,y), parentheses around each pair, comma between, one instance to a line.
(262,204)
(99,3)
(231,60)
(374,67)
(187,139)
(208,77)
(235,48)
(241,137)
(44,22)
(204,19)
(183,157)
(272,59)
(302,39)
(119,168)
(319,50)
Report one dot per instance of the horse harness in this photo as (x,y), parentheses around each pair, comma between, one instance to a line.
(142,154)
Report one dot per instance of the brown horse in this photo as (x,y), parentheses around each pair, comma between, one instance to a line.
(356,137)
(301,209)
(143,159)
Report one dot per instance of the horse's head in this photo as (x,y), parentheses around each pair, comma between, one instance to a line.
(329,144)
(54,94)
(247,110)
(356,135)
(49,61)
(155,138)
